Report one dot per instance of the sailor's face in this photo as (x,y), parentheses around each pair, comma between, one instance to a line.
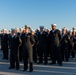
(41,29)
(26,30)
(16,30)
(4,31)
(13,32)
(70,33)
(33,32)
(53,27)
(21,30)
(64,31)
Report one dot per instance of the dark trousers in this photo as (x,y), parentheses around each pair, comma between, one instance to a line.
(1,45)
(41,53)
(67,54)
(14,59)
(35,53)
(25,60)
(67,51)
(5,52)
(73,54)
(27,54)
(62,49)
(55,51)
(20,53)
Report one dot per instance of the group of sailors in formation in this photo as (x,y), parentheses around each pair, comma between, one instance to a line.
(29,46)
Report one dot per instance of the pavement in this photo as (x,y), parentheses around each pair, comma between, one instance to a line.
(68,68)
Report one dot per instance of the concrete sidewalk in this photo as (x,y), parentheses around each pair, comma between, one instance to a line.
(68,68)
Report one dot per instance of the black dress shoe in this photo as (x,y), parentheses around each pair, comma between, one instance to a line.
(31,67)
(6,58)
(52,63)
(20,60)
(39,62)
(60,64)
(17,68)
(3,58)
(11,67)
(35,61)
(24,70)
(45,63)
(31,70)
(67,60)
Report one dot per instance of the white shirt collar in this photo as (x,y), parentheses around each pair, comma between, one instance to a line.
(53,31)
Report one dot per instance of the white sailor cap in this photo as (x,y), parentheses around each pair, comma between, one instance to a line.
(9,30)
(41,26)
(44,29)
(16,28)
(12,29)
(70,30)
(60,29)
(64,28)
(49,29)
(33,30)
(74,30)
(5,29)
(54,24)
(21,28)
(27,27)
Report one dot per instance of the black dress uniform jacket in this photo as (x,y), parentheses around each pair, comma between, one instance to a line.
(28,41)
(4,43)
(14,51)
(65,47)
(35,48)
(42,46)
(54,41)
(1,40)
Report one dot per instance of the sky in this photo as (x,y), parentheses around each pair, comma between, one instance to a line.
(17,13)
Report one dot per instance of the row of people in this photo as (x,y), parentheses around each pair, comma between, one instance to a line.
(56,44)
